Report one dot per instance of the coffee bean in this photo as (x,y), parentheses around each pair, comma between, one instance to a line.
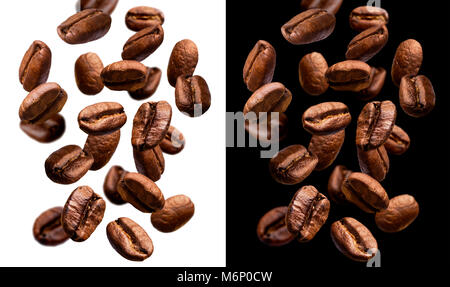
(402,211)
(365,17)
(101,118)
(367,44)
(124,76)
(417,97)
(272,230)
(398,142)
(68,164)
(192,95)
(375,124)
(46,132)
(332,6)
(107,6)
(42,103)
(311,72)
(173,142)
(85,26)
(272,97)
(326,118)
(260,65)
(141,17)
(87,74)
(350,75)
(326,148)
(378,76)
(292,164)
(308,27)
(129,239)
(149,162)
(374,162)
(114,175)
(183,60)
(35,65)
(353,239)
(177,211)
(407,61)
(152,79)
(82,213)
(143,43)
(102,148)
(306,213)
(47,228)
(141,192)
(365,192)
(150,124)
(337,177)
(263,127)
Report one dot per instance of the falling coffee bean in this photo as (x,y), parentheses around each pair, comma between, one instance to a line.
(102,148)
(367,44)
(47,228)
(177,211)
(326,118)
(182,61)
(417,97)
(114,175)
(143,43)
(311,73)
(141,17)
(124,76)
(101,118)
(326,148)
(107,6)
(192,95)
(402,211)
(337,177)
(260,65)
(332,6)
(365,17)
(374,162)
(46,132)
(152,80)
(173,142)
(272,230)
(398,142)
(378,76)
(350,75)
(149,162)
(272,97)
(35,65)
(87,73)
(407,61)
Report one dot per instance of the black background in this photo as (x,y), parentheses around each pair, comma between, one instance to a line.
(422,171)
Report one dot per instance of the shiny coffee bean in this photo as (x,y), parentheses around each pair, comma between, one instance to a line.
(192,95)
(47,228)
(272,230)
(326,148)
(367,44)
(143,43)
(152,80)
(407,61)
(141,17)
(365,17)
(101,118)
(417,97)
(350,75)
(177,211)
(398,142)
(272,97)
(260,65)
(149,162)
(263,128)
(102,148)
(114,175)
(107,6)
(35,65)
(182,61)
(87,74)
(124,76)
(337,177)
(402,211)
(326,118)
(374,162)
(46,132)
(311,73)
(332,6)
(378,76)
(173,142)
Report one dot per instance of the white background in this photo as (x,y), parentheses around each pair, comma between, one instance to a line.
(198,171)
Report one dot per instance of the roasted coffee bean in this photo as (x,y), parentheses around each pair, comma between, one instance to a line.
(85,26)
(332,6)
(353,239)
(150,124)
(375,124)
(149,162)
(47,228)
(402,211)
(326,148)
(398,142)
(68,164)
(292,164)
(308,27)
(87,74)
(173,142)
(46,132)
(367,44)
(272,230)
(152,80)
(101,118)
(365,17)
(378,76)
(365,192)
(143,43)
(417,97)
(260,65)
(311,73)
(35,65)
(407,61)
(124,76)
(82,213)
(129,239)
(183,60)
(177,211)
(114,175)
(374,162)
(337,177)
(141,192)
(326,118)
(141,17)
(107,6)
(272,97)
(192,95)
(306,213)
(102,148)
(42,103)
(262,128)
(350,75)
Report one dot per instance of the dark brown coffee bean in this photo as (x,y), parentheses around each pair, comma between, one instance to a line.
(326,118)
(101,118)
(350,75)
(263,127)
(42,103)
(375,124)
(292,164)
(85,26)
(417,97)
(378,76)
(407,61)
(177,211)
(365,17)
(141,192)
(87,74)
(47,228)
(129,239)
(326,148)
(150,124)
(311,73)
(306,213)
(374,162)
(192,95)
(398,142)
(102,148)
(35,65)
(141,17)
(260,65)
(173,142)
(183,60)
(332,6)
(152,80)
(337,177)
(353,239)
(149,162)
(272,230)
(46,132)
(402,211)
(272,97)
(68,164)
(82,213)
(107,6)
(367,44)
(124,76)
(308,27)
(143,43)
(114,175)
(365,192)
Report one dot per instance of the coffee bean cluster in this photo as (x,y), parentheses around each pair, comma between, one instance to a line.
(152,133)
(376,133)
